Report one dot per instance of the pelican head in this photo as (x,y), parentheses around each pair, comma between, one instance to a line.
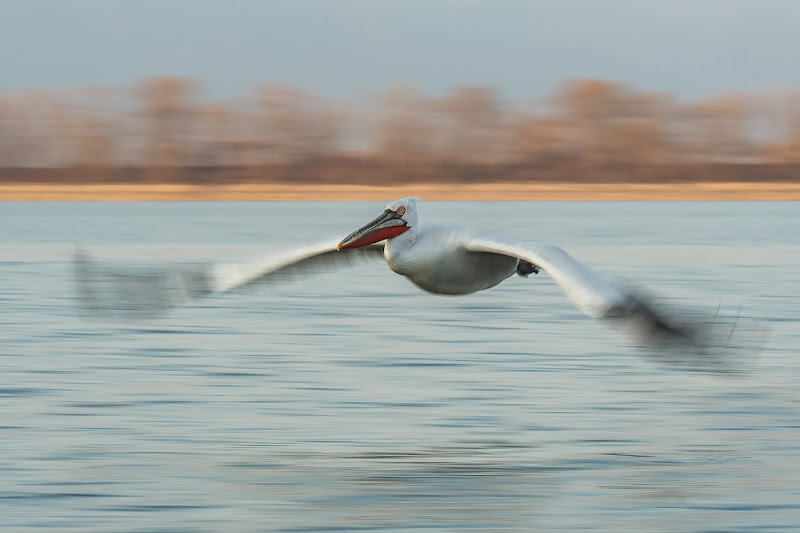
(399,217)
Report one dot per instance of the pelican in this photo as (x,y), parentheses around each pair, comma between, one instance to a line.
(437,258)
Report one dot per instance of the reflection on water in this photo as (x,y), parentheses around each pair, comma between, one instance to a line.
(355,402)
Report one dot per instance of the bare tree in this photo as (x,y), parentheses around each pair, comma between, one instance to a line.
(786,122)
(167,113)
(611,125)
(404,131)
(5,131)
(295,127)
(534,140)
(472,121)
(94,135)
(590,107)
(719,128)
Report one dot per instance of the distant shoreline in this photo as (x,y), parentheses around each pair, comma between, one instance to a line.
(702,191)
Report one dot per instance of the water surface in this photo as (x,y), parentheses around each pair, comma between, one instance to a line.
(354,402)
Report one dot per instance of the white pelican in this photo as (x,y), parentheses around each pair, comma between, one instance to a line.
(438,258)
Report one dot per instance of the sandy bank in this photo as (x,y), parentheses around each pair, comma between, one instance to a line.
(427,191)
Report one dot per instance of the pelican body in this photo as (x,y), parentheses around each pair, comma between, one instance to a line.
(454,260)
(437,259)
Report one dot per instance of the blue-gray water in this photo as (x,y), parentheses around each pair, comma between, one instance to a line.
(355,402)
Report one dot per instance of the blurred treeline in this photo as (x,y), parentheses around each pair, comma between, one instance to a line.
(164,130)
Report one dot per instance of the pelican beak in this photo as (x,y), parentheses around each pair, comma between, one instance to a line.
(388,225)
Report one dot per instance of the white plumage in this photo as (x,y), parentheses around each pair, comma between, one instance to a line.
(441,259)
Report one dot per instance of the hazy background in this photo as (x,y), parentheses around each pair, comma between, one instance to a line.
(365,92)
(369,92)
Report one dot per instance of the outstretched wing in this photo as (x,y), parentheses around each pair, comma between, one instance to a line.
(599,295)
(122,291)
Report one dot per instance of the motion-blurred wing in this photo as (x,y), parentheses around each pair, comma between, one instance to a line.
(121,291)
(598,295)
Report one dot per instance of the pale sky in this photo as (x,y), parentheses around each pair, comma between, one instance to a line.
(352,48)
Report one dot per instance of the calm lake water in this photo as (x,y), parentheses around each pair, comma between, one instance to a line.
(354,402)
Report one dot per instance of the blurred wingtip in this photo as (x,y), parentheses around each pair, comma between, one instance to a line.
(114,293)
(722,343)
(690,338)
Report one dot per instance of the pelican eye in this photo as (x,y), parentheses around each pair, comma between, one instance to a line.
(401,210)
